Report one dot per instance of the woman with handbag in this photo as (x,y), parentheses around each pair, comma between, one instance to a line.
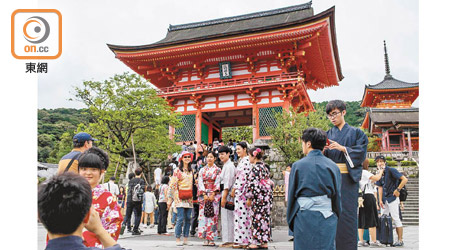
(368,213)
(208,198)
(258,191)
(182,183)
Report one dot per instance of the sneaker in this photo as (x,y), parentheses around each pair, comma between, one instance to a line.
(187,243)
(376,244)
(180,244)
(398,244)
(360,244)
(136,233)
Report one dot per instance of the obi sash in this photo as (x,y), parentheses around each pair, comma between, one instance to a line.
(321,204)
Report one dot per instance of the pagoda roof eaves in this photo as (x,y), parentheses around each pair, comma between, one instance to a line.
(161,44)
(390,82)
(240,17)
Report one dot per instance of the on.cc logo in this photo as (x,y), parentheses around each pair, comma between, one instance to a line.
(36,30)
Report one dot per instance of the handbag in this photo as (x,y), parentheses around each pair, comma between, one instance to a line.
(229,205)
(209,209)
(361,196)
(186,194)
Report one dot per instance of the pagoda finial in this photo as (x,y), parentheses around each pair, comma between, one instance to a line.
(386,62)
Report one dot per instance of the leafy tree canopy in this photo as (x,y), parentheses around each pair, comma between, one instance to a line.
(242,133)
(286,136)
(123,107)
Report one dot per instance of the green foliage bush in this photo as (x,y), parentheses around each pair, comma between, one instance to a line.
(372,163)
(391,163)
(409,163)
(388,158)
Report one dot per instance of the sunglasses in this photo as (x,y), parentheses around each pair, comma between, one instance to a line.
(187,157)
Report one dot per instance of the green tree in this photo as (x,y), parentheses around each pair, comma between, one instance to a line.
(242,133)
(372,146)
(286,136)
(355,114)
(125,107)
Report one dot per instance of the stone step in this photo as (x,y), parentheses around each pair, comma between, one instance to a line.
(410,223)
(410,216)
(410,220)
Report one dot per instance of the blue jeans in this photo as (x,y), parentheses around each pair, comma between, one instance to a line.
(174,218)
(183,220)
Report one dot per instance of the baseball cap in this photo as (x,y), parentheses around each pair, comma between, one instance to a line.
(380,157)
(82,137)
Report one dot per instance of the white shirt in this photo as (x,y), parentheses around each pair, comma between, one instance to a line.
(158,173)
(228,176)
(365,179)
(111,187)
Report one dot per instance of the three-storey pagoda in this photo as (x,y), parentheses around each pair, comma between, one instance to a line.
(390,115)
(238,70)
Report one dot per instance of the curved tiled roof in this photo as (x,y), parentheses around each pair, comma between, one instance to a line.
(401,115)
(227,26)
(390,82)
(241,17)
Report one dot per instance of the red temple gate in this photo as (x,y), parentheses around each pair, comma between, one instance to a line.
(239,70)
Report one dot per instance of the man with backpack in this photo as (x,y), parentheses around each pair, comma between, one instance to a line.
(389,187)
(136,188)
(69,162)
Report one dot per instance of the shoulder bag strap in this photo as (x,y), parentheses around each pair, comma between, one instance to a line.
(68,165)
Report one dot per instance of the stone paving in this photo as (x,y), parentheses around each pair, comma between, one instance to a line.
(150,240)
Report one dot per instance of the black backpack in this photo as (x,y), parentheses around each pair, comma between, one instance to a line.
(137,192)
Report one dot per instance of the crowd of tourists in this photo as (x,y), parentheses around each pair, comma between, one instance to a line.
(225,190)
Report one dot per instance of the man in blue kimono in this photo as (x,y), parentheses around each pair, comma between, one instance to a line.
(314,197)
(347,148)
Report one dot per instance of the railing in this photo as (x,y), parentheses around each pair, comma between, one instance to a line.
(393,154)
(248,81)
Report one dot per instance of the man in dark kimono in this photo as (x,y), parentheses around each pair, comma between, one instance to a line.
(314,197)
(347,148)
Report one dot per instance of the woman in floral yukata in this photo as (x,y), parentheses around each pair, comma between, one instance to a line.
(208,197)
(92,165)
(242,213)
(258,190)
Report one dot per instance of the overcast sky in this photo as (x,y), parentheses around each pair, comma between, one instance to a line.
(361,27)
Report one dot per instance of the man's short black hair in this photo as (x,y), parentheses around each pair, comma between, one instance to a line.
(335,104)
(94,158)
(112,178)
(131,176)
(78,144)
(63,202)
(138,171)
(224,149)
(317,137)
(165,179)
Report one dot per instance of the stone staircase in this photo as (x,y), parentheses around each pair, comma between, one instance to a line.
(411,212)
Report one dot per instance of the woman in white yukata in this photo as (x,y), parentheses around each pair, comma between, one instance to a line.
(242,213)
(208,198)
